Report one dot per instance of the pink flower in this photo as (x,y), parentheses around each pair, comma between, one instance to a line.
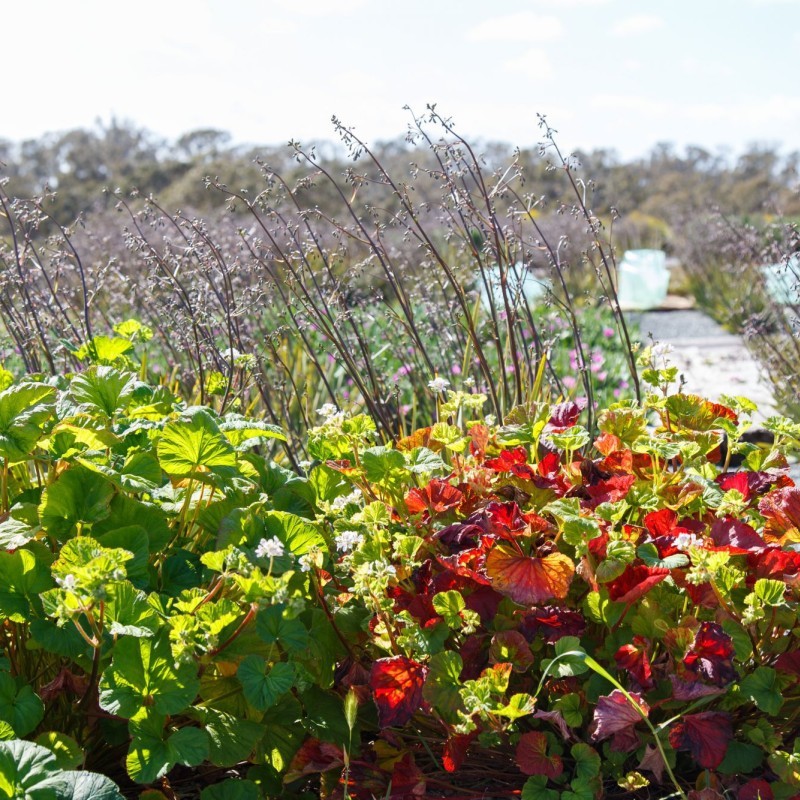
(455,369)
(608,332)
(570,382)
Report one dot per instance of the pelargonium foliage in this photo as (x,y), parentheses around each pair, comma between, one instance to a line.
(526,609)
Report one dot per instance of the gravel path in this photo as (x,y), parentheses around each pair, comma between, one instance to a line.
(712,361)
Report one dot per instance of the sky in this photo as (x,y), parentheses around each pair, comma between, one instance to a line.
(615,74)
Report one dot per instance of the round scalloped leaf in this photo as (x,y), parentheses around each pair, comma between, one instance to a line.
(82,785)
(77,496)
(21,708)
(263,684)
(102,390)
(29,771)
(196,445)
(23,411)
(143,674)
(67,751)
(231,789)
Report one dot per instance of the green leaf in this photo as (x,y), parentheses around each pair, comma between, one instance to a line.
(104,350)
(20,708)
(519,705)
(77,496)
(231,789)
(299,536)
(570,665)
(83,785)
(151,756)
(102,390)
(272,626)
(424,461)
(442,685)
(449,605)
(67,751)
(264,684)
(247,432)
(23,577)
(134,330)
(763,688)
(143,674)
(770,592)
(232,739)
(587,761)
(535,788)
(186,447)
(29,771)
(23,411)
(648,552)
(381,463)
(325,716)
(569,705)
(741,758)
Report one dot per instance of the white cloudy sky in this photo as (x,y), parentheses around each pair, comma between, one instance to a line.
(608,73)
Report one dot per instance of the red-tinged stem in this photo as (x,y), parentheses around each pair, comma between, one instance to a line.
(242,625)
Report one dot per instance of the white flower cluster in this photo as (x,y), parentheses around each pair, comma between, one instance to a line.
(68,582)
(685,541)
(438,384)
(270,548)
(330,414)
(348,540)
(340,502)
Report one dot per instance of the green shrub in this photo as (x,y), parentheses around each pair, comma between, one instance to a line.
(478,608)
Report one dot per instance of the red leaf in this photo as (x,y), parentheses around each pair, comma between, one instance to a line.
(772,562)
(635,582)
(611,490)
(789,662)
(314,756)
(556,719)
(705,736)
(479,435)
(755,789)
(711,655)
(511,647)
(632,658)
(529,580)
(685,691)
(661,522)
(737,481)
(782,511)
(455,750)
(551,623)
(436,498)
(615,715)
(565,415)
(396,685)
(735,533)
(532,758)
(507,459)
(408,782)
(653,762)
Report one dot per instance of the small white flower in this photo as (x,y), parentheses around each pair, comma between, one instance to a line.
(438,384)
(348,540)
(340,502)
(469,382)
(304,464)
(270,548)
(230,354)
(685,541)
(327,411)
(489,420)
(661,349)
(304,562)
(68,582)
